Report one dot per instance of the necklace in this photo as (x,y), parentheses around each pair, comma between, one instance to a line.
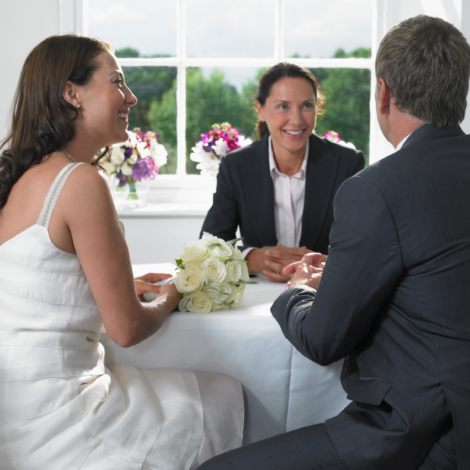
(68,155)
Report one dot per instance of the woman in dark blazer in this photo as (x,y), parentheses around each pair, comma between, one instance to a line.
(281,187)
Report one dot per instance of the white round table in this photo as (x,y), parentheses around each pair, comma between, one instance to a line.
(285,390)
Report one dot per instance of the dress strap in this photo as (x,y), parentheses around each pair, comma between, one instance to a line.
(53,194)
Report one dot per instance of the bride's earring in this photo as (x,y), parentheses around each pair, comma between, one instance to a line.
(78,105)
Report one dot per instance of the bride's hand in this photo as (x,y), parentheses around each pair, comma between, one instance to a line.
(169,294)
(145,283)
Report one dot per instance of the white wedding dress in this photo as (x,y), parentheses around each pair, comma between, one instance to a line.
(60,407)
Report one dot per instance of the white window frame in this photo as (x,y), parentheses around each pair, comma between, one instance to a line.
(74,18)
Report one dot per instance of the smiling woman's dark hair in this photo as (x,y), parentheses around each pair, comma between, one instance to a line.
(275,73)
(42,120)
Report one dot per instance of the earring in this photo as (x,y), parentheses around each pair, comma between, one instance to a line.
(78,105)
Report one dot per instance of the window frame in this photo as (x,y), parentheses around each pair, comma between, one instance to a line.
(74,18)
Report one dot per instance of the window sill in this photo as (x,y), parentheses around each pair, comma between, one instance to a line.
(168,210)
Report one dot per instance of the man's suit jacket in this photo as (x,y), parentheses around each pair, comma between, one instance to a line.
(394,300)
(245,193)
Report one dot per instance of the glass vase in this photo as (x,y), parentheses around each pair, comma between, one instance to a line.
(132,195)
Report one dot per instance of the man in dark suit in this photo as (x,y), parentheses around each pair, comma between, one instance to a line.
(394,297)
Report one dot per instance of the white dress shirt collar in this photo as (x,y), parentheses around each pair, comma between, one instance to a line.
(400,145)
(272,163)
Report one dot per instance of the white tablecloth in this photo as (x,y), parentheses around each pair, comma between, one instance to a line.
(285,390)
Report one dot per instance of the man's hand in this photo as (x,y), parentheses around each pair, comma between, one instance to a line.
(307,272)
(145,283)
(271,260)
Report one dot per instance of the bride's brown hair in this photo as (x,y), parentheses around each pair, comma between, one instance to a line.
(41,118)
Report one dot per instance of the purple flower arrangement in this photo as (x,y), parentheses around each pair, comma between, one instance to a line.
(222,139)
(137,159)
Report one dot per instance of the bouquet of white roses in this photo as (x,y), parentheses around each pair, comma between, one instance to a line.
(212,275)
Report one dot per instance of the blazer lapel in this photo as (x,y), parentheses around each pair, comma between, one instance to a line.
(319,186)
(260,190)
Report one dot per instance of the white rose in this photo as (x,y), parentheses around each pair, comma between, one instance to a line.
(234,271)
(109,167)
(214,292)
(117,155)
(189,279)
(222,250)
(208,238)
(197,302)
(214,271)
(193,252)
(126,169)
(236,253)
(237,295)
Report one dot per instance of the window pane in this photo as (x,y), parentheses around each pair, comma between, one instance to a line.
(222,28)
(347,94)
(217,96)
(149,28)
(314,28)
(155,88)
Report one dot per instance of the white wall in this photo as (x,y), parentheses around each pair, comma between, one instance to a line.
(23,24)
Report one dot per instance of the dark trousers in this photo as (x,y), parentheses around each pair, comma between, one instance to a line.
(310,448)
(304,449)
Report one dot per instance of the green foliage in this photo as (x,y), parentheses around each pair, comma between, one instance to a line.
(347,94)
(208,100)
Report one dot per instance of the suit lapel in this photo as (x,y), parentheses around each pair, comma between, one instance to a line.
(319,186)
(260,190)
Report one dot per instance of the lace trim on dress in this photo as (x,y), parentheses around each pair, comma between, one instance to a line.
(54,193)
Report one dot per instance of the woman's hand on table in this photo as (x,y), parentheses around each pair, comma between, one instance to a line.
(271,261)
(307,272)
(146,282)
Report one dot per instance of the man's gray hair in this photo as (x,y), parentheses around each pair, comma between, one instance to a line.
(426,64)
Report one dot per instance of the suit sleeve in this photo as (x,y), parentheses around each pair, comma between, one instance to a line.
(223,217)
(363,267)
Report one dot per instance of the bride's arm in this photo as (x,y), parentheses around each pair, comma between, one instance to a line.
(90,215)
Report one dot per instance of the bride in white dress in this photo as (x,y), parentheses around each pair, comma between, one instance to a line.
(65,273)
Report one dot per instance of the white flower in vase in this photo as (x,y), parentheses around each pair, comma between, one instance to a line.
(126,169)
(143,150)
(109,167)
(158,152)
(132,159)
(221,148)
(132,142)
(117,154)
(244,141)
